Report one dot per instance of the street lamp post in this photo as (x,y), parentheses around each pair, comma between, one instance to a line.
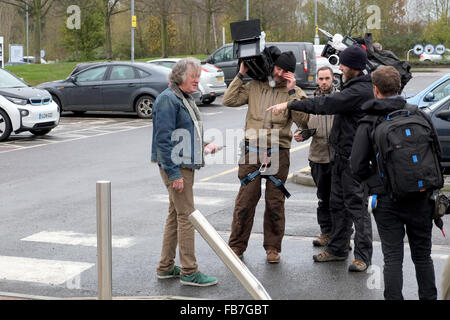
(316,27)
(26,18)
(133,26)
(247,15)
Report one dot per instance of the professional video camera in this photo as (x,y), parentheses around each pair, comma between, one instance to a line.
(337,43)
(249,46)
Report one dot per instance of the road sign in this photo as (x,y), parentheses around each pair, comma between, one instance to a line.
(440,49)
(429,48)
(418,49)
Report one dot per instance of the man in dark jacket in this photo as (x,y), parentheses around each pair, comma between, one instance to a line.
(347,199)
(413,212)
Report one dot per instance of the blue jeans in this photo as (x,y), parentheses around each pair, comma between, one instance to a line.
(413,214)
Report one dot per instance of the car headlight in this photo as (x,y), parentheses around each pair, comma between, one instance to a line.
(18,101)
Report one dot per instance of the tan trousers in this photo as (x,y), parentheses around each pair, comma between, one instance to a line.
(178,229)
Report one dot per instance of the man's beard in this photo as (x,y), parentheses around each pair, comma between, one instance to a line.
(348,76)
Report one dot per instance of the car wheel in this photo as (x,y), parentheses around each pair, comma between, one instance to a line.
(144,106)
(5,126)
(40,132)
(58,102)
(208,100)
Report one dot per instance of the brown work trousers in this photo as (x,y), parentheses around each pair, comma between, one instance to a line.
(178,229)
(247,200)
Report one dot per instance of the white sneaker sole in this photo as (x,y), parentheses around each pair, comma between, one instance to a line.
(167,277)
(188,283)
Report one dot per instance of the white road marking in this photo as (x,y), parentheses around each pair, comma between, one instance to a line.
(50,272)
(198,200)
(77,239)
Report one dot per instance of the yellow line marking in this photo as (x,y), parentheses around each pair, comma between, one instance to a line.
(303,146)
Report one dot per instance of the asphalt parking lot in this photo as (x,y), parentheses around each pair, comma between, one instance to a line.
(48,229)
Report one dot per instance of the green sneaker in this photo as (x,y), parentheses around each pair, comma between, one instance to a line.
(198,279)
(174,273)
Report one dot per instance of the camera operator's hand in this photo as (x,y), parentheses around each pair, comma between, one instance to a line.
(290,78)
(243,68)
(298,136)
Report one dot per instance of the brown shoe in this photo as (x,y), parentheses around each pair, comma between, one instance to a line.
(325,256)
(273,256)
(357,266)
(238,252)
(322,240)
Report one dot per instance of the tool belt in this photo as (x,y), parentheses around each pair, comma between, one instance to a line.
(251,176)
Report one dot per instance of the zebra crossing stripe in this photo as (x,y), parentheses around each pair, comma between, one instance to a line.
(49,272)
(77,239)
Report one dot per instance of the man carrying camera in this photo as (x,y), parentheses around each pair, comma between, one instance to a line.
(347,199)
(261,127)
(319,127)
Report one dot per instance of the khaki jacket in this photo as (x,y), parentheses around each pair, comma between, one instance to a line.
(320,149)
(259,96)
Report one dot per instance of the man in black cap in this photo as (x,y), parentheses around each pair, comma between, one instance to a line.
(266,137)
(348,198)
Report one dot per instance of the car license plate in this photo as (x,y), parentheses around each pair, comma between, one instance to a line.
(45,115)
(220,79)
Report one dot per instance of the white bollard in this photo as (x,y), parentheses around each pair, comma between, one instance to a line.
(104,248)
(228,256)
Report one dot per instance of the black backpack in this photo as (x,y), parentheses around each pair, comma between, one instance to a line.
(407,151)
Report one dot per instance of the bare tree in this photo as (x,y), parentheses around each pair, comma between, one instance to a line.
(38,10)
(110,8)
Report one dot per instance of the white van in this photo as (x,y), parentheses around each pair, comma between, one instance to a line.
(24,108)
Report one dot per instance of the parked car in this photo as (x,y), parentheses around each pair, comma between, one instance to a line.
(322,62)
(211,83)
(434,57)
(31,59)
(305,71)
(440,115)
(110,86)
(24,108)
(433,93)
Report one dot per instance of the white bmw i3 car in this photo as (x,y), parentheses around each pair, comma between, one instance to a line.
(24,108)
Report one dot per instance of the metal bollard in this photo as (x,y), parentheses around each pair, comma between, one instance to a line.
(104,248)
(228,256)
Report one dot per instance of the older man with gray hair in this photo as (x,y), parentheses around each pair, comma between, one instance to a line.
(178,149)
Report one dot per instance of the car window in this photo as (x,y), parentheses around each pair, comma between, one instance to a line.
(122,73)
(224,54)
(442,90)
(168,64)
(7,80)
(95,74)
(143,74)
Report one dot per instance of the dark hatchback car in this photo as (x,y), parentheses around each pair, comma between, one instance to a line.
(440,115)
(110,86)
(305,71)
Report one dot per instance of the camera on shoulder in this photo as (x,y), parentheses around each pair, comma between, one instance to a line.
(249,46)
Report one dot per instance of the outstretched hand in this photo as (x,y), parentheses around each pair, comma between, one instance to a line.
(278,108)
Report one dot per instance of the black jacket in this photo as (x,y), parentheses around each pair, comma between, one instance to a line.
(363,160)
(346,105)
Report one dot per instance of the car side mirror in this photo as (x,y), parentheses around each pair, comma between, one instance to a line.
(72,79)
(444,115)
(208,60)
(429,97)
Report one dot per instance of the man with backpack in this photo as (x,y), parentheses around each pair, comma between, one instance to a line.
(397,154)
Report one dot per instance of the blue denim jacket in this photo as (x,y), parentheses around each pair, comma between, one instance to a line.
(175,141)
